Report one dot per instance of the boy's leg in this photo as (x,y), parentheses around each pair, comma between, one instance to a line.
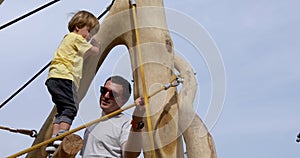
(64,126)
(64,96)
(56,128)
(50,147)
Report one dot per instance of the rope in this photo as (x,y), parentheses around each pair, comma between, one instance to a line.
(28,14)
(142,71)
(107,9)
(165,87)
(35,76)
(44,68)
(25,85)
(31,133)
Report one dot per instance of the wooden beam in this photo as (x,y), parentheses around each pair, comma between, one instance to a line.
(69,147)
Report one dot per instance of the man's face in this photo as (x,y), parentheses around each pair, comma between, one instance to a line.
(111,97)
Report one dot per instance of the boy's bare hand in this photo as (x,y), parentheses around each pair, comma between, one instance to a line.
(95,43)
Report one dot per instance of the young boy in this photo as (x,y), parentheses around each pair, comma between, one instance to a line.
(65,70)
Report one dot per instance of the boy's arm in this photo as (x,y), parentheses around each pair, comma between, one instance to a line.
(95,49)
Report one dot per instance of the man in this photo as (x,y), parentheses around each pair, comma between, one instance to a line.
(108,138)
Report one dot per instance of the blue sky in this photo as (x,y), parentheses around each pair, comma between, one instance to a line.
(258,41)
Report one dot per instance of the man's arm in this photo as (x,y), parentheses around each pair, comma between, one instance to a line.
(132,148)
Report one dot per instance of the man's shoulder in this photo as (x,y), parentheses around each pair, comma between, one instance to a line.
(123,117)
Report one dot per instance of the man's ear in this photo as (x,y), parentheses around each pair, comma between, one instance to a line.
(122,101)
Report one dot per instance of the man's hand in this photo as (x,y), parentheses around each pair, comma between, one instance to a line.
(140,108)
(140,101)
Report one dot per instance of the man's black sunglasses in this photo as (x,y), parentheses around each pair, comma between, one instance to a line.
(104,90)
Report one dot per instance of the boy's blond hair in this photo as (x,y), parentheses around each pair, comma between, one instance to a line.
(84,18)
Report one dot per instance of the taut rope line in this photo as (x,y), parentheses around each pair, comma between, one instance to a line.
(31,133)
(142,71)
(28,14)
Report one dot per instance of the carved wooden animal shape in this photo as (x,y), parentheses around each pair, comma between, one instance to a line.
(171,113)
(168,118)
